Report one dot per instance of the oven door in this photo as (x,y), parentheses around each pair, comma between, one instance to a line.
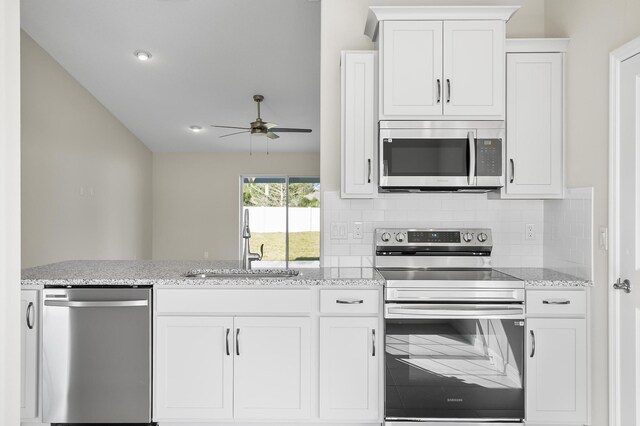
(427,158)
(454,362)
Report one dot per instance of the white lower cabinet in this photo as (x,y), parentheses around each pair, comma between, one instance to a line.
(29,332)
(556,362)
(272,374)
(194,368)
(349,365)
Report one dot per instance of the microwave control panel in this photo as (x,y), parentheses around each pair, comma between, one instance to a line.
(488,157)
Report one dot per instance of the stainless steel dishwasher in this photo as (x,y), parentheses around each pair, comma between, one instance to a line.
(96,355)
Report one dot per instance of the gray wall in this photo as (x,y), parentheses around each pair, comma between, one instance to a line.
(196,199)
(69,141)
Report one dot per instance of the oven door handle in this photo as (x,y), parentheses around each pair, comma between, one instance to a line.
(451,312)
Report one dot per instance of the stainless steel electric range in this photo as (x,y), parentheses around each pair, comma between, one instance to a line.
(454,348)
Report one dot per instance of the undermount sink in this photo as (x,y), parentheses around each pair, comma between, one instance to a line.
(242,273)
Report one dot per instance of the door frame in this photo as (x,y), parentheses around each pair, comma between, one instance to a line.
(616,58)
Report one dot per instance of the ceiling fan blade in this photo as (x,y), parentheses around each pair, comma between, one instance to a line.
(290,130)
(230,127)
(272,135)
(270,125)
(236,133)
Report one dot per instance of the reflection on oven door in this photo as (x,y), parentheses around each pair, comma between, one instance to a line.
(454,369)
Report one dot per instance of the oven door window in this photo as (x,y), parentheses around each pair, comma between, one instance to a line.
(454,368)
(426,157)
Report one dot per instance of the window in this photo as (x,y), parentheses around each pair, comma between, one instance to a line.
(284,215)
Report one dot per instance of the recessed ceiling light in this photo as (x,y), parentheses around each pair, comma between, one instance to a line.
(195,128)
(142,55)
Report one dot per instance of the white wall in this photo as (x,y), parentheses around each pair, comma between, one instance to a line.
(86,179)
(595,27)
(9,212)
(196,199)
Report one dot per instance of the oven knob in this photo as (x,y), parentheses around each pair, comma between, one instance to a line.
(467,237)
(399,238)
(385,237)
(482,237)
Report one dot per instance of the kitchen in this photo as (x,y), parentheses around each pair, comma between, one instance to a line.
(349,36)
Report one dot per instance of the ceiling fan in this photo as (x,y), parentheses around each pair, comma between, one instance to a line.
(260,127)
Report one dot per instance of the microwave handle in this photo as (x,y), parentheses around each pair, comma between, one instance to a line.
(472,158)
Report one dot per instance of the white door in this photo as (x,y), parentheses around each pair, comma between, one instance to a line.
(474,68)
(29,354)
(556,371)
(349,361)
(272,369)
(194,368)
(627,247)
(411,57)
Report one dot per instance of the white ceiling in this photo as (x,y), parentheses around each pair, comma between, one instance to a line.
(209,58)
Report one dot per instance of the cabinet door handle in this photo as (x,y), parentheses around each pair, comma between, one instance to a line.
(350,302)
(29,310)
(227,342)
(373,342)
(556,302)
(448,90)
(533,344)
(369,170)
(439,91)
(238,341)
(513,170)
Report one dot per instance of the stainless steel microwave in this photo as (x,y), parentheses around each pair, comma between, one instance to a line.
(441,155)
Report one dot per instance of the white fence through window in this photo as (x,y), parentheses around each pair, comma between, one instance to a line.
(273,219)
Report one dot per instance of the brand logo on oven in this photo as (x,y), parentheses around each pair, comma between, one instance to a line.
(455,400)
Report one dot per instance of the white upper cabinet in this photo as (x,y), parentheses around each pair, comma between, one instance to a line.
(359,124)
(442,69)
(534,122)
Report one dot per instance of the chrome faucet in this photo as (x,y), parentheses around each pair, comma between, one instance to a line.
(247,256)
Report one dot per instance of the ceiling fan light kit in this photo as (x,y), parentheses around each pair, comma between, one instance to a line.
(260,127)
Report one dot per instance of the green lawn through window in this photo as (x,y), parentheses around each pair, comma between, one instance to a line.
(302,245)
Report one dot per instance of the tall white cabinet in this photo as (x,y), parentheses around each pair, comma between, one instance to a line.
(359,124)
(29,349)
(535,119)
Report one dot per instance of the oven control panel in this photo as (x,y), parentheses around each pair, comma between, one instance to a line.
(435,237)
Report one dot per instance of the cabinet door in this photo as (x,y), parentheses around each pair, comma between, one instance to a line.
(358,124)
(29,331)
(534,125)
(411,57)
(474,68)
(194,368)
(556,371)
(349,366)
(272,368)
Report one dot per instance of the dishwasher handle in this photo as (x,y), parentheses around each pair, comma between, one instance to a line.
(97,303)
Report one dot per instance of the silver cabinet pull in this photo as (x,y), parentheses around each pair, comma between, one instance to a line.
(556,302)
(448,90)
(238,341)
(29,310)
(533,344)
(96,304)
(439,91)
(369,170)
(513,170)
(227,342)
(373,342)
(350,302)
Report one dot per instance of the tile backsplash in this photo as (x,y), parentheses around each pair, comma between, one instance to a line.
(568,230)
(506,218)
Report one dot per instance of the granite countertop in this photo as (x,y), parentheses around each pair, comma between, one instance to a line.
(170,273)
(542,277)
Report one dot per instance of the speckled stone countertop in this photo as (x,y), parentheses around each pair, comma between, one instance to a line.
(170,273)
(542,277)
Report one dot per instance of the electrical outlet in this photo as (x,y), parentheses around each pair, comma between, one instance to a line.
(604,238)
(530,231)
(339,231)
(357,230)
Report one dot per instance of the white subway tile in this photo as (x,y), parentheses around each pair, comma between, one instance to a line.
(350,261)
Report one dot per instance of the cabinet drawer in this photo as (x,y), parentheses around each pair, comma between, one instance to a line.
(556,302)
(233,301)
(349,301)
